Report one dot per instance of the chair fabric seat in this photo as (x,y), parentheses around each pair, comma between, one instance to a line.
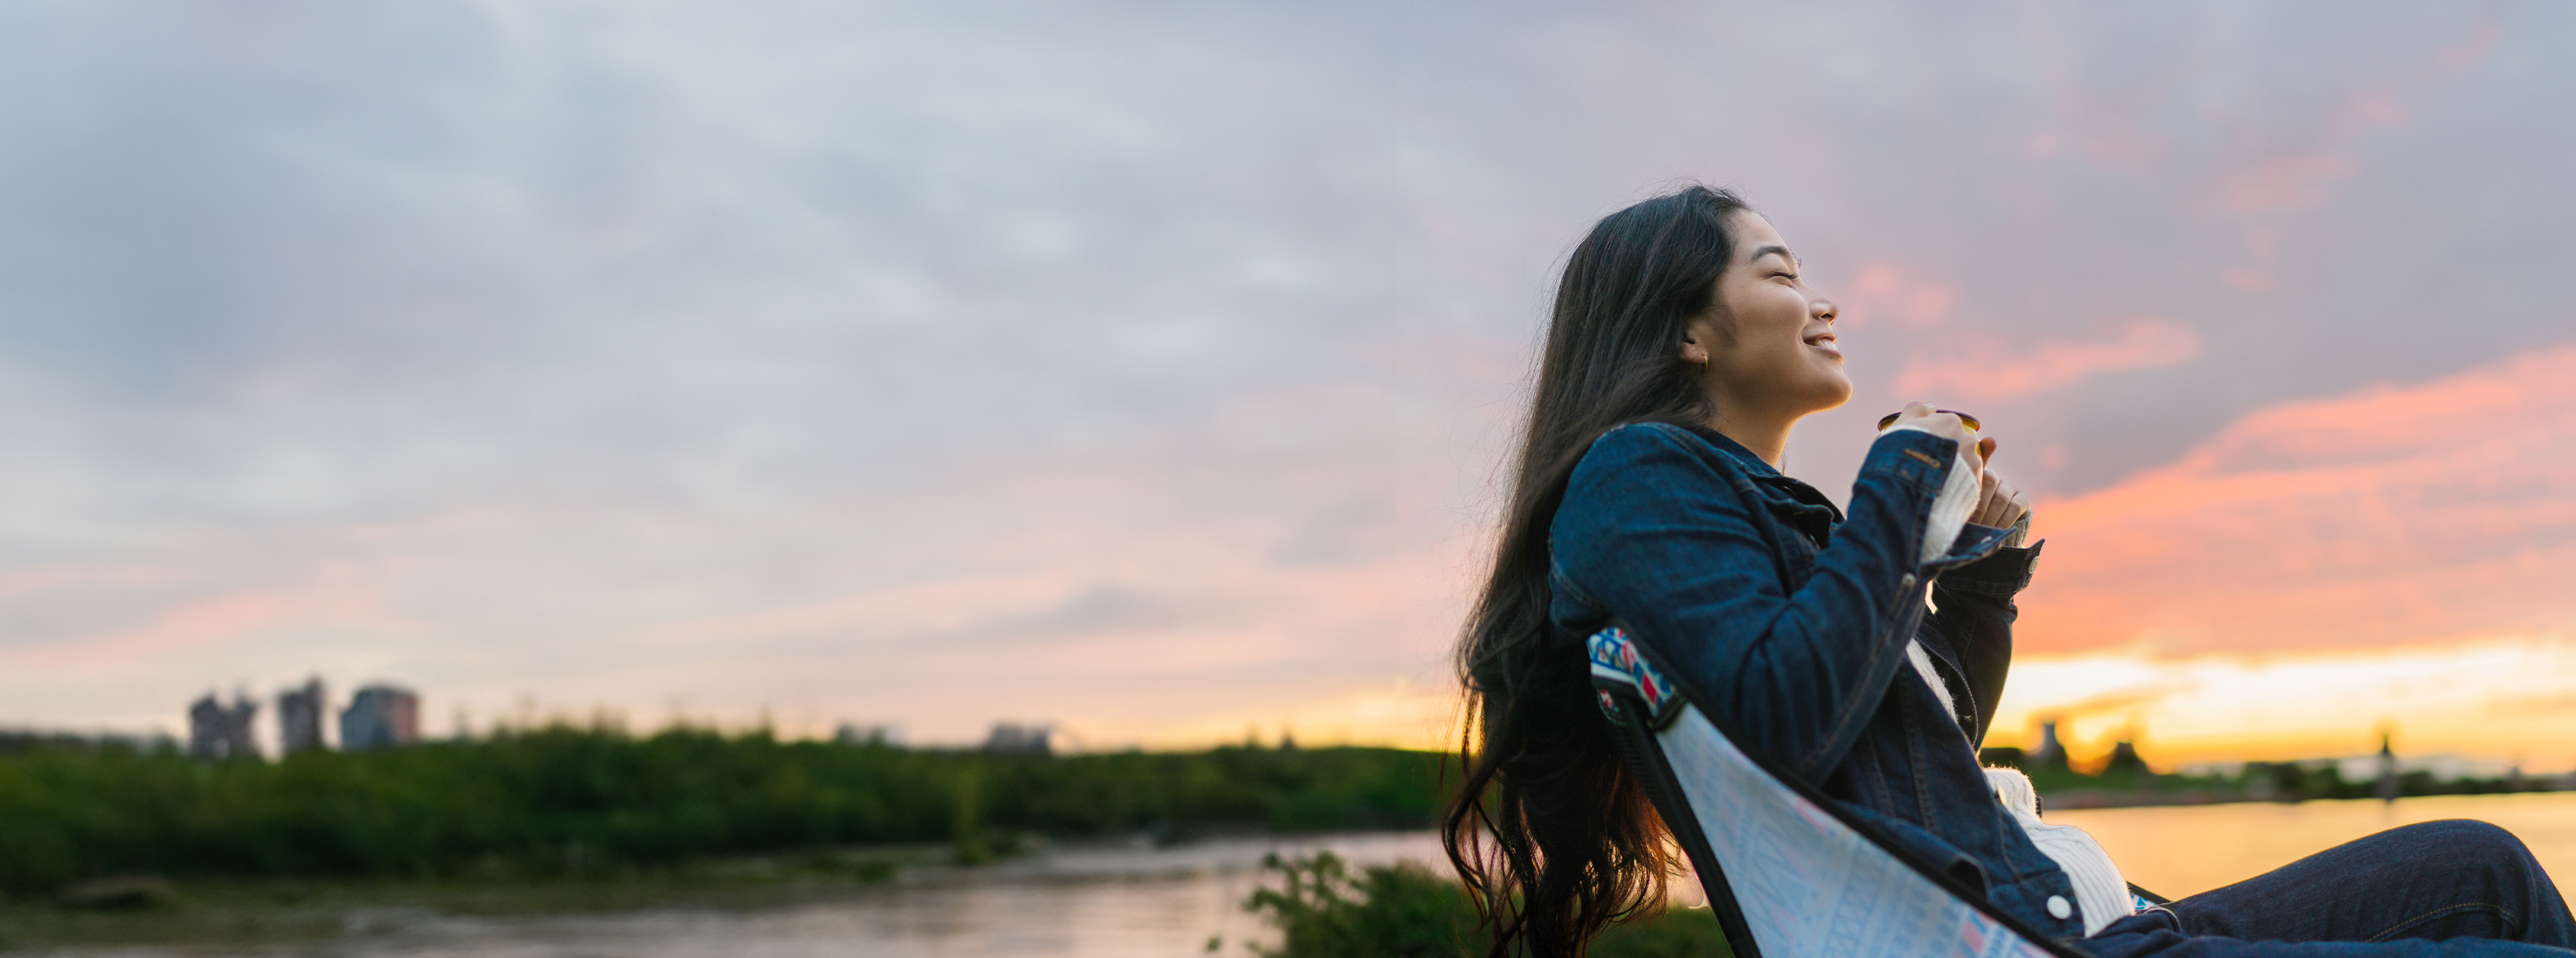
(1781,865)
(1807,883)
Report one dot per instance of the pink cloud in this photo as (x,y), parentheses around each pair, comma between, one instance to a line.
(2286,181)
(1128,597)
(2472,49)
(59,578)
(204,623)
(1904,296)
(2390,516)
(2367,110)
(1989,369)
(2107,128)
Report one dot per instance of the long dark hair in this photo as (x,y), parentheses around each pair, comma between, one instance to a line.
(1550,832)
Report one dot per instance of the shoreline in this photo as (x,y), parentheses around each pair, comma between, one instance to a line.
(2104,798)
(196,913)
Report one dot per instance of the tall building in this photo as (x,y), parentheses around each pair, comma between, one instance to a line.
(850,733)
(1010,738)
(2125,758)
(2387,768)
(380,716)
(2051,754)
(216,730)
(299,718)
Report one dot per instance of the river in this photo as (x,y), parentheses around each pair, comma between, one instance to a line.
(1117,901)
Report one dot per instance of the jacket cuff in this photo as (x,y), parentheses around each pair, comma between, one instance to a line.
(2004,573)
(1917,458)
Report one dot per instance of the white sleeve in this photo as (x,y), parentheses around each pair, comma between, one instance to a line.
(1950,511)
(1915,653)
(2100,892)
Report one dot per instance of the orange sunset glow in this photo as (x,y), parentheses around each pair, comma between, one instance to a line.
(2318,567)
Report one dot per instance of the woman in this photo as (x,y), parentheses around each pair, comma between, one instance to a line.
(1866,652)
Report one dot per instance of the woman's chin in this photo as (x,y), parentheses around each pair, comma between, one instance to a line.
(1831,392)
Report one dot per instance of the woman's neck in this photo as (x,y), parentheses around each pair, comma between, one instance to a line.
(1767,437)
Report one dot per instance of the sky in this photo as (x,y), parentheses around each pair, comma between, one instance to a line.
(1148,368)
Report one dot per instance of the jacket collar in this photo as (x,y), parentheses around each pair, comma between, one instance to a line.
(1761,472)
(1753,464)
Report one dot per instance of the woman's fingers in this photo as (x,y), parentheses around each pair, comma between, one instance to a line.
(1946,425)
(2021,512)
(2003,503)
(1999,502)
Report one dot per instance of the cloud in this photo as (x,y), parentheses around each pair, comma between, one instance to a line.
(2125,700)
(1987,368)
(1906,297)
(2395,515)
(2286,181)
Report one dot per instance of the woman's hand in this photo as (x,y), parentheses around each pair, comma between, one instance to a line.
(1921,415)
(2001,504)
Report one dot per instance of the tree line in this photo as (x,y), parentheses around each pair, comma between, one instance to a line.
(563,800)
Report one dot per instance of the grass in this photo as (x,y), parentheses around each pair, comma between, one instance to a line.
(1323,910)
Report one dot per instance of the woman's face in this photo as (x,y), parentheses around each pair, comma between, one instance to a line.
(1769,346)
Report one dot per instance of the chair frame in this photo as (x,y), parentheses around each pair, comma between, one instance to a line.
(1635,722)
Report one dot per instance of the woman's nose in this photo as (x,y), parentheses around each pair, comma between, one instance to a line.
(1824,310)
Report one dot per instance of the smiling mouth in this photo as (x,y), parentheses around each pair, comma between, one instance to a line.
(1826,342)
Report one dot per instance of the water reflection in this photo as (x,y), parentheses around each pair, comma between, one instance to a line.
(1077,902)
(1134,900)
(2184,850)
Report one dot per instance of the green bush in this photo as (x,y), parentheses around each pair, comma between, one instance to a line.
(1399,911)
(1406,911)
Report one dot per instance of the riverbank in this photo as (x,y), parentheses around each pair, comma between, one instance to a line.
(2136,786)
(1133,895)
(128,911)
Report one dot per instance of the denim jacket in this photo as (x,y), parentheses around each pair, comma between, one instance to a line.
(1790,621)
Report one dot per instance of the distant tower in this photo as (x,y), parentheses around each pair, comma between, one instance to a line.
(852,733)
(2387,769)
(299,718)
(2051,754)
(216,730)
(380,716)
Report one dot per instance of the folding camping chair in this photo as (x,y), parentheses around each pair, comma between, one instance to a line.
(1787,871)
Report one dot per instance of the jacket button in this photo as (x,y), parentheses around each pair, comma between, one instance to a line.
(2058,908)
(1907,582)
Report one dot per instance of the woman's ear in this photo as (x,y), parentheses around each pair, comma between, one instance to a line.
(1695,343)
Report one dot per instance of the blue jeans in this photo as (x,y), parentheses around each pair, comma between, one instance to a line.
(2456,888)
